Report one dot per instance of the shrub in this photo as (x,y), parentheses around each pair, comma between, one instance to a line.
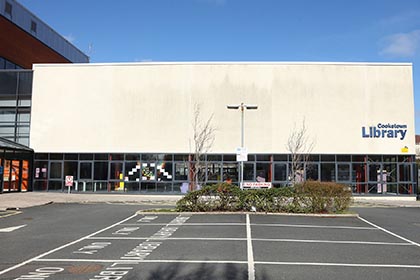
(309,197)
(324,197)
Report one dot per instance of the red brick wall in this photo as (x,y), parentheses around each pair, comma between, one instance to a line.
(23,49)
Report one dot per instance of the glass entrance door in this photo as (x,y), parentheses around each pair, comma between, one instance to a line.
(11,176)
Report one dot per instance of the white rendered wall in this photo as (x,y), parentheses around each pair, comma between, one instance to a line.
(148,107)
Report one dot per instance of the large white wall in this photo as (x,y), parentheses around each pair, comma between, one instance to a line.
(148,107)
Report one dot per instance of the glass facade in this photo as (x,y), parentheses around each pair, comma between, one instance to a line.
(15,105)
(170,173)
(15,167)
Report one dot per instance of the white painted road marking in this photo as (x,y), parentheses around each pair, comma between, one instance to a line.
(251,267)
(240,262)
(64,246)
(332,241)
(389,232)
(10,229)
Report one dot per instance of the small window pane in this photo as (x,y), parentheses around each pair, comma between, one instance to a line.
(280,172)
(55,170)
(101,170)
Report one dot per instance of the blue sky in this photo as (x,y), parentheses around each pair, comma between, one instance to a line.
(240,30)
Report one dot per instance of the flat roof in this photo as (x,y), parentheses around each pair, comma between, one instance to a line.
(226,63)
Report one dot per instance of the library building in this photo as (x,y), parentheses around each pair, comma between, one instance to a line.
(129,127)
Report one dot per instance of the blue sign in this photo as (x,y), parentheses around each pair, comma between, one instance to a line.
(385,131)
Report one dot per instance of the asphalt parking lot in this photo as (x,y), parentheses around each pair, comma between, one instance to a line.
(229,246)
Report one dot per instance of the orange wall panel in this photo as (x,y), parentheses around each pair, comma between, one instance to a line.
(23,49)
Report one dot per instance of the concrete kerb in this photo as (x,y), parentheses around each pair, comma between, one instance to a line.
(31,199)
(350,215)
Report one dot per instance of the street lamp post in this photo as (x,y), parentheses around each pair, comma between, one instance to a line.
(242,107)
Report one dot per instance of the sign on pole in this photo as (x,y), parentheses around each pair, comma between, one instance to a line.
(241,154)
(69,182)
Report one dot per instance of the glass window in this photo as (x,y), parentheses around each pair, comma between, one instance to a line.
(2,63)
(374,158)
(263,172)
(86,170)
(214,171)
(280,172)
(100,170)
(313,158)
(101,156)
(55,170)
(132,157)
(33,26)
(148,157)
(148,171)
(343,158)
(312,172)
(263,157)
(214,158)
(132,171)
(86,156)
(41,169)
(164,171)
(374,172)
(71,156)
(327,157)
(164,157)
(8,82)
(70,169)
(358,158)
(41,156)
(280,157)
(328,172)
(116,169)
(230,172)
(181,157)
(229,157)
(404,173)
(343,172)
(56,156)
(8,8)
(116,157)
(249,171)
(390,158)
(181,171)
(25,83)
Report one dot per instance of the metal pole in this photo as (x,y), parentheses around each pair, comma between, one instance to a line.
(242,145)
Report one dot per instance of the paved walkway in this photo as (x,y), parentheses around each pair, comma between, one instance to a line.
(30,199)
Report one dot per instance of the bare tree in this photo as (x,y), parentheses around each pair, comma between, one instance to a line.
(299,146)
(203,139)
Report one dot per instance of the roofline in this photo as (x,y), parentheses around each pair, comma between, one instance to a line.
(147,63)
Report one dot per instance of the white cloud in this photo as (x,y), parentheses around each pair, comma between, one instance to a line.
(70,38)
(401,44)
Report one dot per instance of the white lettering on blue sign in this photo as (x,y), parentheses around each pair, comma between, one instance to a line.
(385,131)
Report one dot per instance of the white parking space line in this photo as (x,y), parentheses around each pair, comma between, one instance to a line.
(144,261)
(331,241)
(189,224)
(341,264)
(237,262)
(314,226)
(169,238)
(389,232)
(251,266)
(64,246)
(11,229)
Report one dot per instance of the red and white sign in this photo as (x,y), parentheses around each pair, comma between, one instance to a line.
(256,185)
(69,181)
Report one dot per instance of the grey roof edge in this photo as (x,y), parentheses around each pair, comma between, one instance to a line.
(225,63)
(13,145)
(77,49)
